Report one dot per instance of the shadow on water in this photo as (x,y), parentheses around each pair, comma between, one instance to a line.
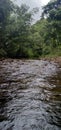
(30,95)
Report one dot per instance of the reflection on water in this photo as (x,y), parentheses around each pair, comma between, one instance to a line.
(30,95)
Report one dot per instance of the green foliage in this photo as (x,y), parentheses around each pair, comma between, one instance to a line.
(14,28)
(52,6)
(20,39)
(3,53)
(6,7)
(52,11)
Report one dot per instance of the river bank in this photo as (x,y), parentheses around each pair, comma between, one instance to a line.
(56,59)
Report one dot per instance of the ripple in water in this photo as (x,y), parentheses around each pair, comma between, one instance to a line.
(30,95)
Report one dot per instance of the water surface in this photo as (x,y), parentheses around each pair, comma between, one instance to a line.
(30,95)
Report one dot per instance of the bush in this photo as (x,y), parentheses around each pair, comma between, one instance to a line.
(3,53)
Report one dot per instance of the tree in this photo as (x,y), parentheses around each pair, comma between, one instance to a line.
(20,32)
(52,11)
(53,5)
(6,7)
(15,24)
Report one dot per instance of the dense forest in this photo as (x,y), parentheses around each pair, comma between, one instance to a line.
(20,39)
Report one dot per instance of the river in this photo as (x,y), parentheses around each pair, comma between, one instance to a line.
(30,95)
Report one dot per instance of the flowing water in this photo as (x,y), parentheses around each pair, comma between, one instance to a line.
(30,95)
